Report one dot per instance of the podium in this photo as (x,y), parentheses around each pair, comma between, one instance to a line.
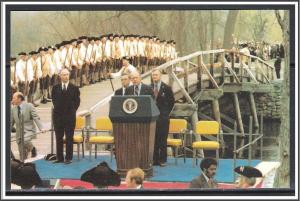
(134,123)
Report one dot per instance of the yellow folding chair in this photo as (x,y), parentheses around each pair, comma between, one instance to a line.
(177,126)
(206,128)
(103,125)
(79,138)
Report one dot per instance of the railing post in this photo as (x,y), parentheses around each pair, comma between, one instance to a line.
(241,68)
(186,75)
(199,72)
(234,149)
(211,70)
(250,141)
(169,71)
(88,121)
(232,65)
(22,138)
(256,70)
(261,132)
(52,131)
(223,68)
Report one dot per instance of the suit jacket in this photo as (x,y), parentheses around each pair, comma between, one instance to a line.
(165,100)
(200,182)
(119,92)
(30,117)
(145,90)
(65,113)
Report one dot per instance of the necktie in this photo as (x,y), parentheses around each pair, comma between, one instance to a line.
(64,88)
(210,183)
(155,90)
(19,111)
(136,90)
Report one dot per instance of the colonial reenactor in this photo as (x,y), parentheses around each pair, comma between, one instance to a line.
(104,62)
(173,50)
(21,72)
(86,63)
(73,61)
(141,53)
(127,45)
(147,52)
(98,60)
(58,63)
(108,53)
(248,176)
(32,77)
(126,68)
(169,50)
(89,59)
(13,79)
(81,60)
(132,49)
(117,52)
(52,68)
(45,66)
(95,57)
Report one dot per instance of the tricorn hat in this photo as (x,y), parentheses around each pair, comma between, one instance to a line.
(22,53)
(248,171)
(101,176)
(24,174)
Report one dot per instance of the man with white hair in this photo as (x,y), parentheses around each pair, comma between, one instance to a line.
(66,100)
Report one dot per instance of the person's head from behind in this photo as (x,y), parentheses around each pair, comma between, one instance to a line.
(134,177)
(209,167)
(64,75)
(136,78)
(125,80)
(156,75)
(17,98)
(247,177)
(125,61)
(245,182)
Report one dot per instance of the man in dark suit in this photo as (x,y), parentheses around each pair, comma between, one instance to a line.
(205,180)
(165,101)
(138,88)
(66,100)
(125,83)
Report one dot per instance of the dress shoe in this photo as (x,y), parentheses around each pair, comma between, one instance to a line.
(33,152)
(43,101)
(58,161)
(163,164)
(156,164)
(68,162)
(35,104)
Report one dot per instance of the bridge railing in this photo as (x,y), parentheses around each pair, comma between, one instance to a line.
(215,66)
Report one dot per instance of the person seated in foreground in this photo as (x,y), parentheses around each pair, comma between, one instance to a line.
(247,177)
(208,167)
(134,178)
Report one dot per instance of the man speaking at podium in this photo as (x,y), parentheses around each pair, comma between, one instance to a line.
(138,88)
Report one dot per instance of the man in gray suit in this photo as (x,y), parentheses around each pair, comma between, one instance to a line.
(27,111)
(205,180)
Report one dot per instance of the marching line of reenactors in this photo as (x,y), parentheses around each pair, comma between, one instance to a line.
(89,59)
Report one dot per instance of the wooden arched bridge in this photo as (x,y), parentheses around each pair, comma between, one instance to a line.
(207,76)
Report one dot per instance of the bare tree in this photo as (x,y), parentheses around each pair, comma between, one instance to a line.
(229,28)
(282,178)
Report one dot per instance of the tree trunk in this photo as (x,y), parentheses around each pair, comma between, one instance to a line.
(282,178)
(229,28)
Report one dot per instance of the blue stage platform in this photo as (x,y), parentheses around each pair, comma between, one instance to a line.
(183,172)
